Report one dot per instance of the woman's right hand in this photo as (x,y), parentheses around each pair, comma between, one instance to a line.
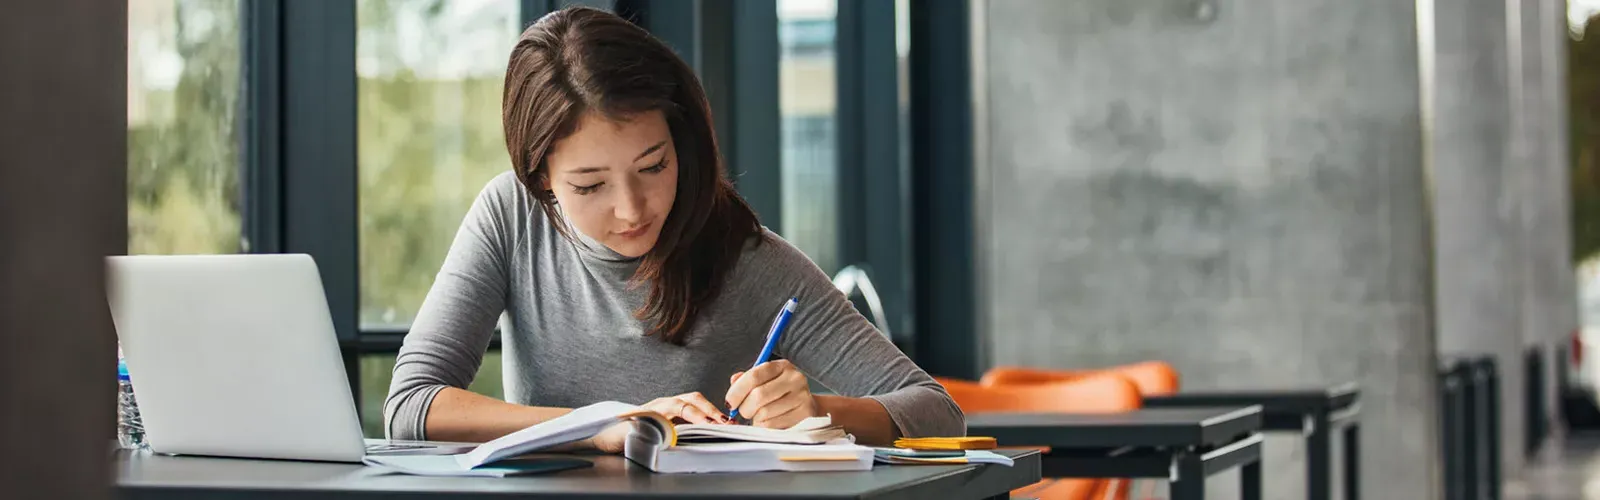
(691,407)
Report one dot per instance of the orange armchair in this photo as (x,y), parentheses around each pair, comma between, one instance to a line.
(1154,378)
(1094,393)
(1091,393)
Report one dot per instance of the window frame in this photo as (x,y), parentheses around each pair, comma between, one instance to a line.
(943,150)
(873,179)
(300,148)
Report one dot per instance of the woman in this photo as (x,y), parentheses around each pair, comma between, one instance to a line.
(630,270)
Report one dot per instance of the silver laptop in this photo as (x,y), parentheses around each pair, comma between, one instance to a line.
(235,355)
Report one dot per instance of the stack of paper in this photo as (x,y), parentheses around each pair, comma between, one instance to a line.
(903,456)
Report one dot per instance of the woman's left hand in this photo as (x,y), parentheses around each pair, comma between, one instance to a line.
(773,394)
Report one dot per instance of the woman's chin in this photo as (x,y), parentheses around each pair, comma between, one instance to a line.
(630,249)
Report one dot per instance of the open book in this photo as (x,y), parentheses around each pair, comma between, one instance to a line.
(657,444)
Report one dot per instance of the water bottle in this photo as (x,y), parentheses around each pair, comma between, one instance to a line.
(130,428)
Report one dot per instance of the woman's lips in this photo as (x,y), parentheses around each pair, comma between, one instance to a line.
(635,232)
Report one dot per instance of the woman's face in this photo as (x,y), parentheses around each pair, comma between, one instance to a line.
(616,180)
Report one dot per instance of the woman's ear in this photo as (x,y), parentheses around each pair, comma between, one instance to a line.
(544,182)
(544,186)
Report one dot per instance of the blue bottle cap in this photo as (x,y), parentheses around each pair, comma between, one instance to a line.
(122,370)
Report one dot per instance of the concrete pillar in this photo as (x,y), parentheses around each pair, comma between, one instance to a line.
(1539,156)
(1477,229)
(1556,194)
(1234,186)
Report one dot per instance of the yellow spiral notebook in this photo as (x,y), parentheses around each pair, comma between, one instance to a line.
(947,443)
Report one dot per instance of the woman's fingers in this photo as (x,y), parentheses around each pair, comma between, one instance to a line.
(748,381)
(704,408)
(786,420)
(762,397)
(674,408)
(664,406)
(781,413)
(693,415)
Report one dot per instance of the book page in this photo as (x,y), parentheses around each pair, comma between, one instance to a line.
(580,424)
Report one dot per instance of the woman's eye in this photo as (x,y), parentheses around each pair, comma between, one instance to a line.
(655,168)
(587,189)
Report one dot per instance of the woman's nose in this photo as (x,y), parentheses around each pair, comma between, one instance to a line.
(631,206)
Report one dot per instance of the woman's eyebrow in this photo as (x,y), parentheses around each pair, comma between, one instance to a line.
(651,149)
(647,151)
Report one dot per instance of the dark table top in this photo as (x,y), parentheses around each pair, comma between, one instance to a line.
(142,475)
(1143,428)
(1299,401)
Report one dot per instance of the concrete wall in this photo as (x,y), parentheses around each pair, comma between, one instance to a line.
(1539,169)
(1234,186)
(1477,204)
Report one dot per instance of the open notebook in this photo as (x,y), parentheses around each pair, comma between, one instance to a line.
(813,444)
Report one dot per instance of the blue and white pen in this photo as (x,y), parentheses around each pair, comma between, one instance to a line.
(773,334)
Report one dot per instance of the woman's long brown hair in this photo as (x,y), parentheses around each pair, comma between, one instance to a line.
(580,60)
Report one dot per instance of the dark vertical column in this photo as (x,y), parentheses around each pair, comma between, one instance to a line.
(262,122)
(748,118)
(63,208)
(945,298)
(873,226)
(318,133)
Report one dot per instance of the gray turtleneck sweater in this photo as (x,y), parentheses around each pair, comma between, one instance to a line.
(570,338)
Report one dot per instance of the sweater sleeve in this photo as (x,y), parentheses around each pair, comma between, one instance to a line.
(452,329)
(835,345)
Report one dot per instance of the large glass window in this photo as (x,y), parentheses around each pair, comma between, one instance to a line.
(183,126)
(429,138)
(377,370)
(806,90)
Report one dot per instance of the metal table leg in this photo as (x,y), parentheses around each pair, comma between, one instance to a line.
(1352,461)
(1450,436)
(1470,454)
(1493,422)
(1318,457)
(1190,482)
(1250,481)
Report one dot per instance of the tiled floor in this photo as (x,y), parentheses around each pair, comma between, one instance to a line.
(1567,469)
